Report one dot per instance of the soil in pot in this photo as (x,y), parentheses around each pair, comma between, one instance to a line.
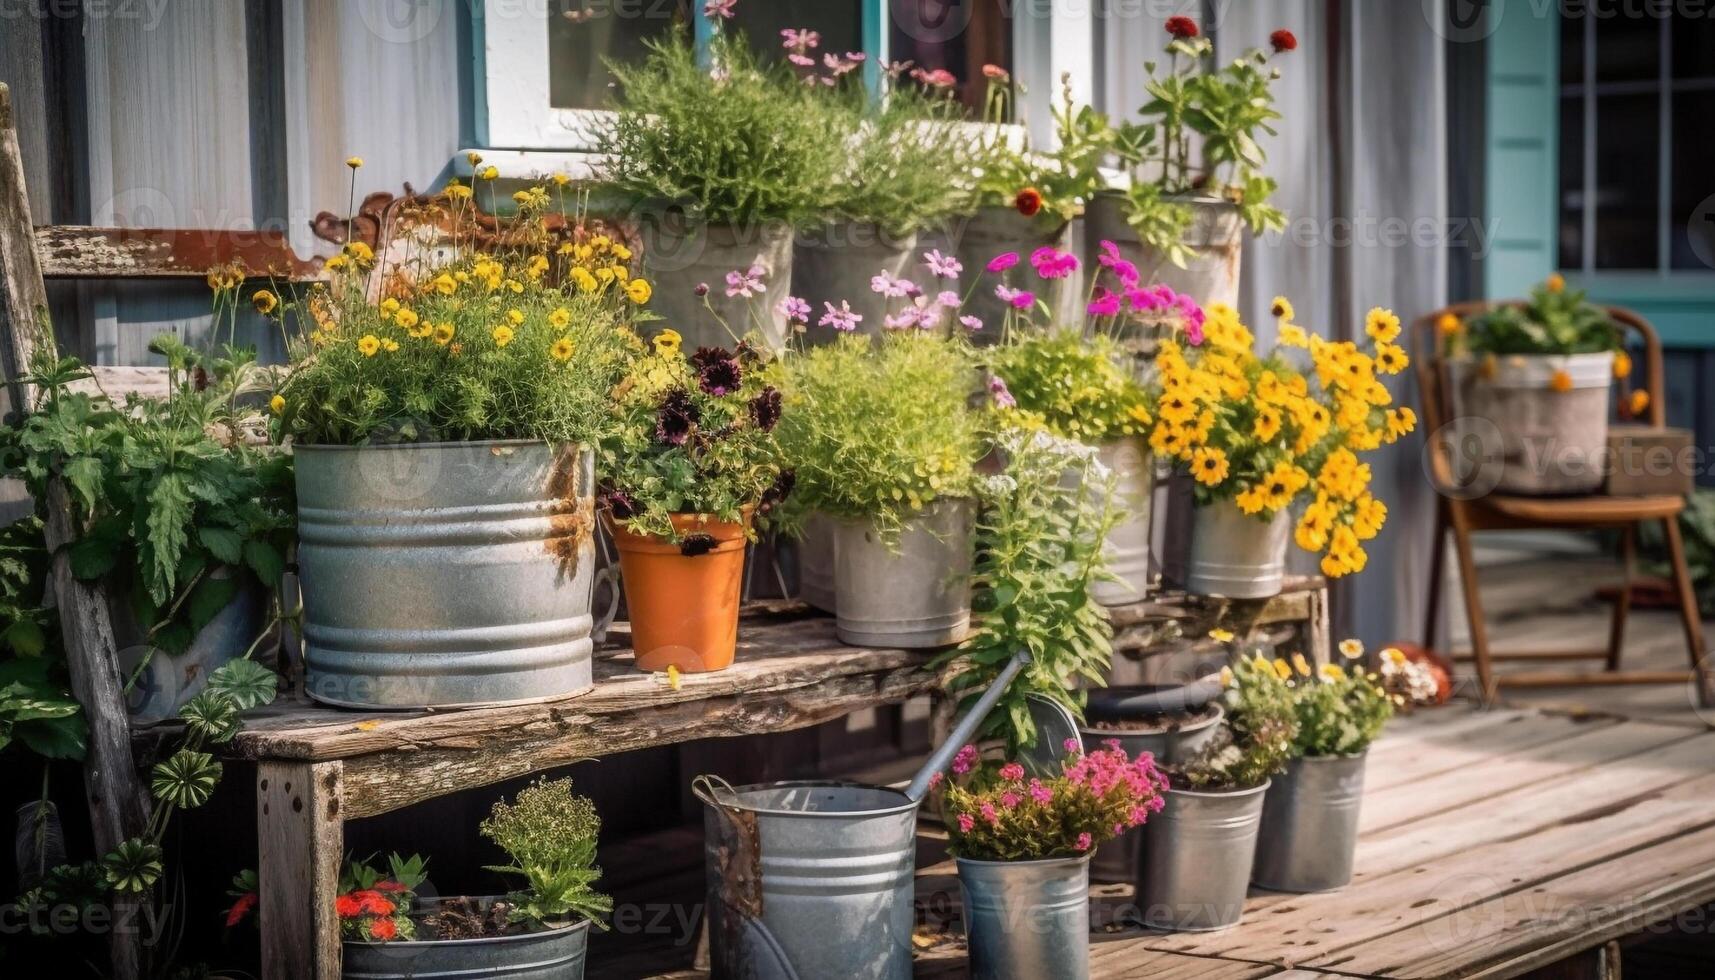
(1161,724)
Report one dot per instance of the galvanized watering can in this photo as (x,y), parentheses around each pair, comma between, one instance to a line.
(813,879)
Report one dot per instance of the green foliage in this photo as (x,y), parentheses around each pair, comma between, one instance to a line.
(37,709)
(1256,736)
(897,171)
(1039,549)
(993,813)
(550,835)
(740,143)
(1554,321)
(1078,388)
(879,433)
(694,436)
(1066,176)
(1340,711)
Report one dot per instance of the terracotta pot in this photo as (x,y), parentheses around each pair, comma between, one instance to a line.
(684,608)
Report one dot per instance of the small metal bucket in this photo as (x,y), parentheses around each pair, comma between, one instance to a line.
(1119,859)
(997,229)
(1126,548)
(919,596)
(815,550)
(551,954)
(681,252)
(1027,918)
(1234,555)
(446,574)
(1215,240)
(1197,868)
(835,263)
(1310,825)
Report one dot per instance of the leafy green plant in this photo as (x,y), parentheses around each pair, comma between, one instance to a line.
(37,709)
(879,433)
(1012,172)
(1555,320)
(1039,550)
(1257,734)
(1340,710)
(732,141)
(1079,388)
(550,834)
(897,172)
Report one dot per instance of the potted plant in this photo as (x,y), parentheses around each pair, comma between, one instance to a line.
(1199,849)
(1183,214)
(692,459)
(1258,432)
(882,439)
(722,156)
(442,415)
(1022,846)
(1541,372)
(1310,816)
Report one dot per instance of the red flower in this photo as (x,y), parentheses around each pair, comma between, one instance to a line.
(1181,27)
(1028,201)
(383,929)
(347,906)
(240,909)
(373,902)
(1283,40)
(389,885)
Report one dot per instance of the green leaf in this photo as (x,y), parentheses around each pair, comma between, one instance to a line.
(25,637)
(224,543)
(247,682)
(55,738)
(92,557)
(264,559)
(210,596)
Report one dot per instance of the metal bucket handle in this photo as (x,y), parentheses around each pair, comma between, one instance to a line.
(747,941)
(705,786)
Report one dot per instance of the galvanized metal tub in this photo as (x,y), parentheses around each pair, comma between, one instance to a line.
(918,595)
(1198,867)
(1126,548)
(815,549)
(446,574)
(997,229)
(1119,859)
(1534,439)
(1215,240)
(551,954)
(1310,825)
(834,264)
(1027,918)
(815,874)
(1234,555)
(681,253)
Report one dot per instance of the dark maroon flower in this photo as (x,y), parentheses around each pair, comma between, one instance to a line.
(1283,41)
(765,408)
(777,491)
(718,372)
(1181,27)
(702,289)
(619,504)
(199,379)
(1028,202)
(678,416)
(692,545)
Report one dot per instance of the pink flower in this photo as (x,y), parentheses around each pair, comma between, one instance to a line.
(996,72)
(1012,771)
(1073,746)
(971,323)
(1051,263)
(1010,800)
(895,69)
(966,823)
(1002,262)
(965,761)
(1084,841)
(1040,792)
(802,61)
(1194,333)
(747,283)
(903,320)
(1123,270)
(887,284)
(989,813)
(942,266)
(719,8)
(1002,399)
(936,780)
(1104,303)
(939,78)
(794,308)
(841,319)
(949,299)
(795,39)
(1017,298)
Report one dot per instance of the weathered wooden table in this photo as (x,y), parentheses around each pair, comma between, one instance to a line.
(318,767)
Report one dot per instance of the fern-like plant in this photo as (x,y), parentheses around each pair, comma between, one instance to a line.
(550,834)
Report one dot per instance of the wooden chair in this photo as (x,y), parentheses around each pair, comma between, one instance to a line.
(1464,515)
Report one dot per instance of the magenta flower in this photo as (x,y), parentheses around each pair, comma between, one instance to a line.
(1073,746)
(747,283)
(1104,303)
(702,289)
(1002,396)
(1051,263)
(989,813)
(943,266)
(965,760)
(966,823)
(936,780)
(903,320)
(1040,792)
(949,299)
(1012,771)
(1002,262)
(794,308)
(719,8)
(1010,800)
(971,323)
(1123,270)
(795,39)
(841,319)
(887,284)
(1084,841)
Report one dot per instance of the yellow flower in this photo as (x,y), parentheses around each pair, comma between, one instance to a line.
(1560,381)
(1394,656)
(1351,648)
(1390,359)
(1301,665)
(444,334)
(335,263)
(406,318)
(560,317)
(489,172)
(1267,424)
(1622,364)
(584,281)
(1447,324)
(620,252)
(1209,466)
(1333,672)
(638,290)
(389,306)
(515,316)
(1638,401)
(277,404)
(1226,677)
(1381,325)
(1312,531)
(673,676)
(667,342)
(360,252)
(1250,500)
(474,157)
(1292,335)
(368,344)
(389,345)
(1400,421)
(561,180)
(1368,517)
(458,192)
(1220,635)
(562,349)
(444,284)
(1281,308)
(265,301)
(1282,669)
(1556,282)
(503,335)
(354,162)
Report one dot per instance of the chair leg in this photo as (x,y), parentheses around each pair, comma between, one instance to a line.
(1474,610)
(1623,603)
(1690,614)
(1437,569)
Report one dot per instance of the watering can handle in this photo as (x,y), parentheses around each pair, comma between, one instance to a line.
(967,726)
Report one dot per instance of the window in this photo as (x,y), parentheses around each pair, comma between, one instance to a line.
(957,36)
(583,36)
(1635,99)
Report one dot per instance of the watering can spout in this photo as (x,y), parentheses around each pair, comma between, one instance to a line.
(967,727)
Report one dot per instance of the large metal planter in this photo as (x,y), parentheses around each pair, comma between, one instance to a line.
(680,254)
(1119,859)
(552,954)
(815,550)
(1235,555)
(834,264)
(1027,918)
(1199,850)
(1310,825)
(1215,240)
(1126,547)
(992,231)
(1534,439)
(915,595)
(824,868)
(446,574)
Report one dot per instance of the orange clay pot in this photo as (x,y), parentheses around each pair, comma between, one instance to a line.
(684,609)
